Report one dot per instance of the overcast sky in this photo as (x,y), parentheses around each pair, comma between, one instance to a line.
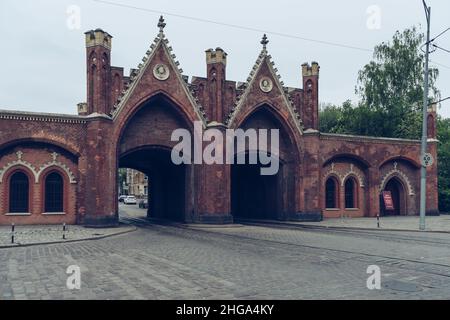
(43,60)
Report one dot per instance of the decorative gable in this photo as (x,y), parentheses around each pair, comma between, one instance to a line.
(158,71)
(264,85)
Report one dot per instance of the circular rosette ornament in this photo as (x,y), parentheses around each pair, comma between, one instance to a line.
(161,72)
(265,84)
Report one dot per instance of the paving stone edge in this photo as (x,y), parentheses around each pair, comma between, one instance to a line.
(18,245)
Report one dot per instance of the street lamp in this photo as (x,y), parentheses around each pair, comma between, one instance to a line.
(423,169)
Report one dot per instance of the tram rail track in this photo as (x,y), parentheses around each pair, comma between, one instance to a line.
(380,234)
(427,267)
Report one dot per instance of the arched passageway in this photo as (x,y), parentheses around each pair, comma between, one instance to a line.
(166,182)
(145,145)
(398,194)
(253,195)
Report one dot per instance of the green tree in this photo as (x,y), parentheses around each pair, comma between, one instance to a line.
(391,91)
(350,119)
(443,129)
(391,86)
(330,118)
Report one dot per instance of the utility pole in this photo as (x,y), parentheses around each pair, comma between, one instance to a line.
(423,168)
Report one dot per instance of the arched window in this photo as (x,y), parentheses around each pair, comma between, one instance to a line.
(54,191)
(331,193)
(350,194)
(18,193)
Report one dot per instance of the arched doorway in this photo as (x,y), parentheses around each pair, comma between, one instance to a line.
(145,145)
(255,196)
(258,196)
(166,181)
(398,194)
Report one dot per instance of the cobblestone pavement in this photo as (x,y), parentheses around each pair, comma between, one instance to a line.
(242,262)
(26,235)
(439,223)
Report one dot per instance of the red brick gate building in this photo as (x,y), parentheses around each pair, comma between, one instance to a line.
(58,168)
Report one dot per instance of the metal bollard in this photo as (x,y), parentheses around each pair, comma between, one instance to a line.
(378,220)
(13,227)
(64,231)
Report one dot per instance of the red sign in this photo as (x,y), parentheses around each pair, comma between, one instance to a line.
(388,202)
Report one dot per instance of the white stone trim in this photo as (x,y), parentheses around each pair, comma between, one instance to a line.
(343,176)
(355,174)
(58,164)
(332,172)
(37,173)
(18,214)
(18,162)
(400,174)
(41,116)
(53,213)
(349,137)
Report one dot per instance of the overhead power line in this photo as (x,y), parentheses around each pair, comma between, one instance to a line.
(440,64)
(436,46)
(448,98)
(230,25)
(440,34)
(341,45)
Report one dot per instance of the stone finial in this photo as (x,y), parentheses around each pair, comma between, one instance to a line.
(161,24)
(19,154)
(264,41)
(54,156)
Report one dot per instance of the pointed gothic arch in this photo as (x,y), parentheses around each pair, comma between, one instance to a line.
(266,197)
(398,190)
(144,144)
(274,114)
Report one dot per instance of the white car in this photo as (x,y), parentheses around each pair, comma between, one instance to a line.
(130,200)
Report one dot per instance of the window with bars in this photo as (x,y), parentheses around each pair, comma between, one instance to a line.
(350,194)
(331,194)
(54,193)
(19,193)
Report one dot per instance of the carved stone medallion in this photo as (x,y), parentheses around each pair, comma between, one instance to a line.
(161,72)
(265,84)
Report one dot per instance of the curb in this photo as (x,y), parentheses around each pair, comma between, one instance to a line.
(162,222)
(19,245)
(305,226)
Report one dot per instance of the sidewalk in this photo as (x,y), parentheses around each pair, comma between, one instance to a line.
(410,223)
(40,234)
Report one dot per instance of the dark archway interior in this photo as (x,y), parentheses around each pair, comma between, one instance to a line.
(397,192)
(254,196)
(166,194)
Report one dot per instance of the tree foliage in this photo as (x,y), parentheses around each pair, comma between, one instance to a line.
(391,86)
(391,91)
(443,129)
